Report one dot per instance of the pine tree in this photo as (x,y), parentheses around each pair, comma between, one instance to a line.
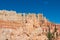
(49,35)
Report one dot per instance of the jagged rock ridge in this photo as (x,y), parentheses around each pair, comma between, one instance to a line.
(18,26)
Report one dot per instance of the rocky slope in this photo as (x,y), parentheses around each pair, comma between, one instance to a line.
(18,26)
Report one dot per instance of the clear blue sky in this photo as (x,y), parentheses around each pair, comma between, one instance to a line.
(50,8)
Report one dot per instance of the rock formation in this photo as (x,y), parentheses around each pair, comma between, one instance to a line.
(18,26)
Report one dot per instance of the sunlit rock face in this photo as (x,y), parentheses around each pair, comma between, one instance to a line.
(22,26)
